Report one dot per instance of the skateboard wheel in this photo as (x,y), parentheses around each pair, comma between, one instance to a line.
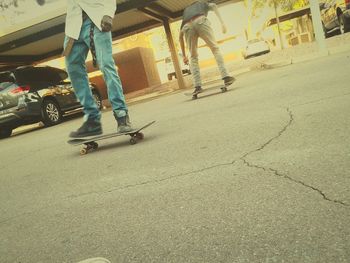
(194,97)
(140,136)
(83,151)
(94,145)
(224,89)
(133,141)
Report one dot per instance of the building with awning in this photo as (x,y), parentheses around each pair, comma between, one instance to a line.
(302,32)
(289,15)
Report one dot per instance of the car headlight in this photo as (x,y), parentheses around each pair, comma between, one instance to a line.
(21,102)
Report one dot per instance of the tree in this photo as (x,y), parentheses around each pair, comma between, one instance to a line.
(285,5)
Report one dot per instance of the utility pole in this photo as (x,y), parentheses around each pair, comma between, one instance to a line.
(317,23)
(278,24)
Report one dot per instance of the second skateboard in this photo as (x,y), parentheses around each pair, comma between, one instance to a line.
(194,95)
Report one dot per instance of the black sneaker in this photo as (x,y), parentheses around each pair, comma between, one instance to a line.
(197,90)
(124,124)
(228,80)
(89,128)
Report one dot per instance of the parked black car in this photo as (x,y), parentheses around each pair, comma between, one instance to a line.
(335,16)
(33,94)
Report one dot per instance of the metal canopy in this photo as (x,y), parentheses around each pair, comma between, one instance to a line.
(289,15)
(44,40)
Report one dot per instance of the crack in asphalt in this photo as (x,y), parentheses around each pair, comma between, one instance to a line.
(291,120)
(154,181)
(276,172)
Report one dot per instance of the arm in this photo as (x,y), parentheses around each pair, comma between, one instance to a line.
(214,8)
(183,49)
(110,7)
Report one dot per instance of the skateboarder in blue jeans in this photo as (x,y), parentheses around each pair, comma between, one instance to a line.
(195,24)
(88,27)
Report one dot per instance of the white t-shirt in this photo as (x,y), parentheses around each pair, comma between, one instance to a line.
(95,9)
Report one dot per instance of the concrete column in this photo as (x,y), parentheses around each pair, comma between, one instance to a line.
(317,23)
(174,54)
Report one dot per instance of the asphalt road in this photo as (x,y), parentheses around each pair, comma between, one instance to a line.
(258,174)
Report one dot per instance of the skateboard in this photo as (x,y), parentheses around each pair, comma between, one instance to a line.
(90,143)
(222,87)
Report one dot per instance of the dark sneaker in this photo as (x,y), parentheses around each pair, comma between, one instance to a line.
(228,80)
(197,90)
(124,124)
(89,128)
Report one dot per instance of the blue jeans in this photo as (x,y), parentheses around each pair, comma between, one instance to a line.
(76,68)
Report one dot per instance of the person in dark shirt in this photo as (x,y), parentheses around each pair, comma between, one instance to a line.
(195,24)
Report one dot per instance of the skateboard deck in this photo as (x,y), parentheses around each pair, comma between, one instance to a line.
(222,87)
(90,143)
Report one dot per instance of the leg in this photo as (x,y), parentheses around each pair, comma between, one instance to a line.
(103,44)
(206,33)
(76,69)
(75,64)
(192,44)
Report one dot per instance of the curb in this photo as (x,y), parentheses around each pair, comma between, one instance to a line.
(301,59)
(337,50)
(277,64)
(242,71)
(310,57)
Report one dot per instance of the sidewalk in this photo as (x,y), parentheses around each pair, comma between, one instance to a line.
(306,52)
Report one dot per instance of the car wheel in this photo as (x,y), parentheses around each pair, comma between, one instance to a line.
(97,99)
(51,113)
(5,133)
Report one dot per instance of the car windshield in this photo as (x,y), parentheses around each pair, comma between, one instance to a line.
(43,74)
(7,76)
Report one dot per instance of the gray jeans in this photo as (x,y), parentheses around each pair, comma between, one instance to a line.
(201,27)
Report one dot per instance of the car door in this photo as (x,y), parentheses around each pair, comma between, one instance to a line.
(64,95)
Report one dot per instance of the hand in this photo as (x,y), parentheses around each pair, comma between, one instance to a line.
(106,23)
(224,29)
(185,59)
